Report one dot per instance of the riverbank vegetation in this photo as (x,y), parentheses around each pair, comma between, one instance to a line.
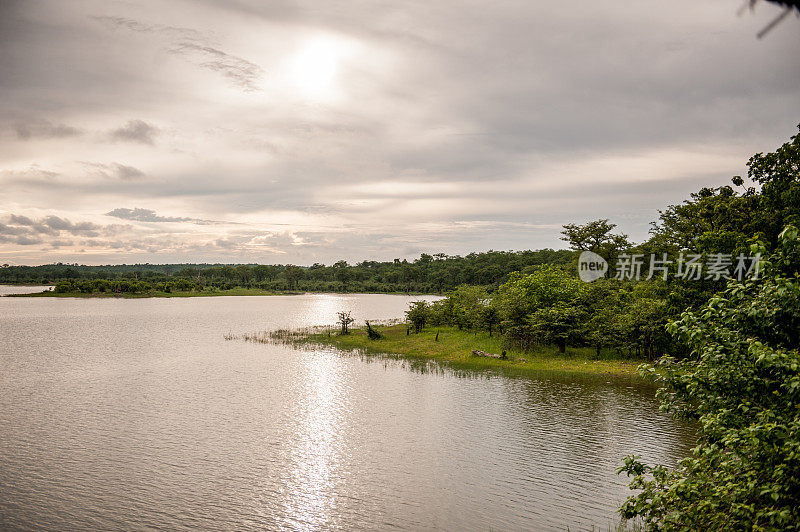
(454,348)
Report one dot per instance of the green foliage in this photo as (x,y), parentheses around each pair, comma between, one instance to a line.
(742,384)
(418,315)
(438,273)
(723,220)
(778,173)
(597,237)
(525,295)
(558,323)
(124,286)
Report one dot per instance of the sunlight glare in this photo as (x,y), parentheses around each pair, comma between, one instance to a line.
(314,69)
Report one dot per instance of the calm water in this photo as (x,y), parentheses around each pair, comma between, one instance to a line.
(135,414)
(6,289)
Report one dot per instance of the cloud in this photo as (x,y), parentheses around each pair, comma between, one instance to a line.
(144,215)
(198,48)
(24,230)
(44,129)
(410,129)
(127,172)
(119,171)
(149,215)
(237,70)
(135,131)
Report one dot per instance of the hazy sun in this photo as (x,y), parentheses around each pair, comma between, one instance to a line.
(314,68)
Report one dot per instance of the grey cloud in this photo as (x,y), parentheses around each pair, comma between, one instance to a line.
(198,48)
(149,215)
(136,131)
(81,228)
(49,225)
(27,240)
(137,26)
(237,70)
(128,172)
(44,129)
(119,171)
(20,220)
(144,215)
(34,173)
(453,95)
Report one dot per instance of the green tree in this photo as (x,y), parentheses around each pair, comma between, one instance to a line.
(292,274)
(523,295)
(417,315)
(559,324)
(597,237)
(742,384)
(778,173)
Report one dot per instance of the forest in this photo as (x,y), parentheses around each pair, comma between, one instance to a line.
(437,273)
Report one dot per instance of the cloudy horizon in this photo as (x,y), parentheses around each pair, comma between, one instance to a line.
(302,132)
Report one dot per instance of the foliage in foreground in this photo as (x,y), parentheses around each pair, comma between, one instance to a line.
(742,383)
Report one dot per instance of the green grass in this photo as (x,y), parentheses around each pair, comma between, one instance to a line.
(454,348)
(126,295)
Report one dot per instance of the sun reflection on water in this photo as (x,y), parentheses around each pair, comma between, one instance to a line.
(317,448)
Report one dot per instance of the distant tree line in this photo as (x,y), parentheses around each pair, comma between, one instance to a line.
(428,274)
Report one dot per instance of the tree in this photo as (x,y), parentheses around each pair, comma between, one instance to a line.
(292,274)
(778,173)
(559,324)
(597,237)
(489,316)
(417,315)
(342,273)
(742,385)
(718,220)
(605,302)
(524,295)
(345,319)
(724,220)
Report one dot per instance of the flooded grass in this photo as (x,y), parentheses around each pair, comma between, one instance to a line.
(451,347)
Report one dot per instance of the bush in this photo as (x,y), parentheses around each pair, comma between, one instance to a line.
(742,383)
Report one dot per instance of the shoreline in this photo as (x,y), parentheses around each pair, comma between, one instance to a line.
(204,293)
(454,349)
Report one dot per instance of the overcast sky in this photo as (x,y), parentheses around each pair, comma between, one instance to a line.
(302,132)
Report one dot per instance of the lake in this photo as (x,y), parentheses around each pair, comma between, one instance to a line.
(129,414)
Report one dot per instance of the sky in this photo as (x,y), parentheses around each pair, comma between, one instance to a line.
(244,131)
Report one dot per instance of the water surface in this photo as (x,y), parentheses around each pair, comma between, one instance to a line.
(6,289)
(130,414)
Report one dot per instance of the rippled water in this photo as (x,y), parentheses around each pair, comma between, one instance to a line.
(131,414)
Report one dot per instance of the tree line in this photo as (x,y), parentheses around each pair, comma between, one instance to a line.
(436,273)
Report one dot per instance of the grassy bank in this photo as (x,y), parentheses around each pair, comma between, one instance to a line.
(454,348)
(138,295)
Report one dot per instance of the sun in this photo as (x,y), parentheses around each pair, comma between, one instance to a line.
(313,69)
